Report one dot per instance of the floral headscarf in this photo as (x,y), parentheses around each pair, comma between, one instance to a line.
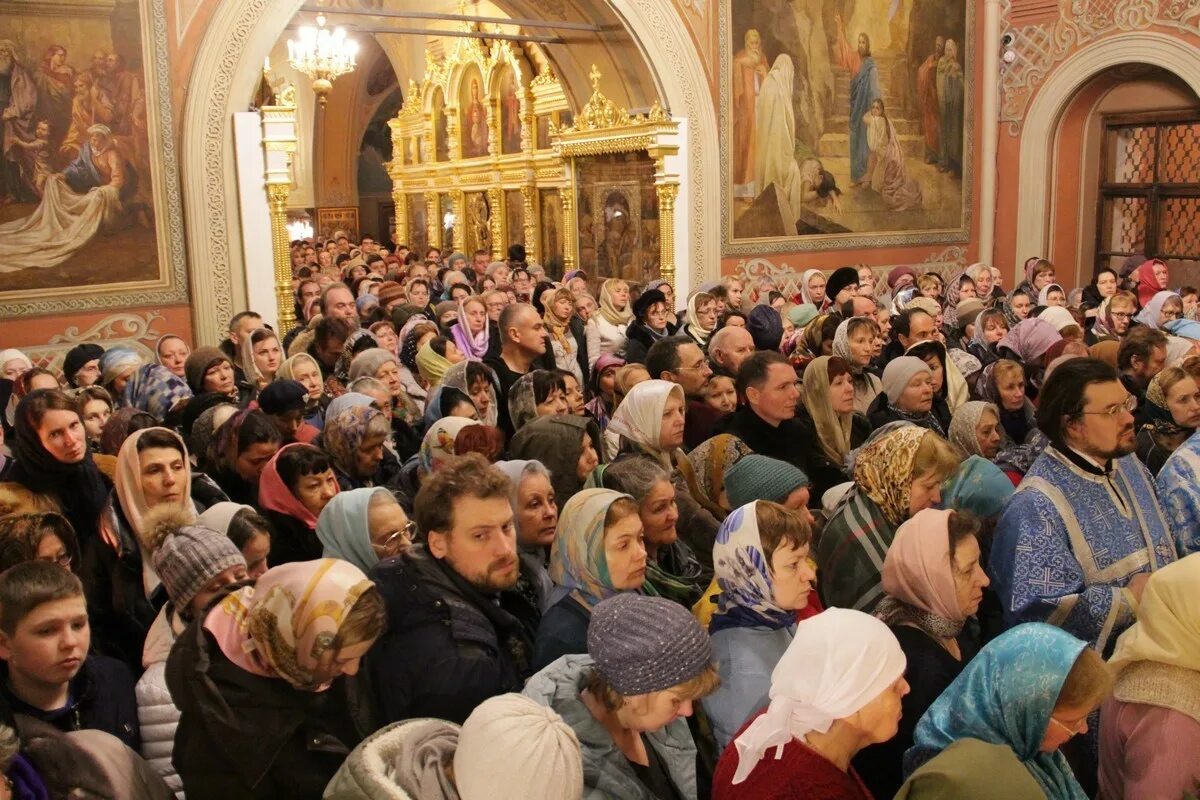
(409,339)
(155,390)
(343,434)
(964,423)
(281,626)
(437,448)
(884,469)
(704,470)
(639,417)
(743,576)
(1005,696)
(608,310)
(577,561)
(598,405)
(349,350)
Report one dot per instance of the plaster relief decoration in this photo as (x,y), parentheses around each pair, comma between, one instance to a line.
(1038,48)
(340,220)
(846,123)
(89,192)
(135,331)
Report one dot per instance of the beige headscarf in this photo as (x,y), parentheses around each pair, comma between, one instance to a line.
(833,430)
(608,310)
(639,417)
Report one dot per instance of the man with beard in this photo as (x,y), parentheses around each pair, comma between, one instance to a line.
(864,91)
(461,613)
(18,103)
(1077,542)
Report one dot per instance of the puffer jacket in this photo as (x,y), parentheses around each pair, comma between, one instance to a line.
(607,774)
(157,715)
(402,761)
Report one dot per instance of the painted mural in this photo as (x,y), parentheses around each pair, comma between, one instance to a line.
(847,120)
(80,184)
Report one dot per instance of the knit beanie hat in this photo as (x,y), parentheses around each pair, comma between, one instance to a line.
(77,356)
(646,644)
(898,373)
(388,292)
(512,748)
(758,477)
(186,555)
(198,363)
(897,273)
(968,311)
(802,314)
(840,279)
(765,327)
(282,396)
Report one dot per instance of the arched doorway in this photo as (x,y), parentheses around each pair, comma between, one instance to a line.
(228,66)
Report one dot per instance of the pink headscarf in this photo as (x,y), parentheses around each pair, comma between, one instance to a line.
(274,495)
(1147,283)
(918,569)
(1030,339)
(281,626)
(473,345)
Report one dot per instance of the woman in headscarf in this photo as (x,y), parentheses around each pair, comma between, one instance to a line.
(820,333)
(13,362)
(602,384)
(1027,343)
(296,485)
(597,553)
(155,390)
(471,330)
(439,446)
(934,580)
(1164,307)
(567,445)
(246,528)
(1038,274)
(153,477)
(305,370)
(765,578)
(701,318)
(446,401)
(1030,689)
(1150,278)
(359,341)
(1150,727)
(413,335)
(895,476)
(210,370)
(828,412)
(249,676)
(354,438)
(434,358)
(172,352)
(478,382)
(560,309)
(606,330)
(1017,307)
(364,526)
(116,366)
(908,395)
(990,327)
(383,366)
(535,518)
(538,393)
(240,451)
(672,569)
(823,709)
(650,421)
(1052,294)
(976,429)
(649,325)
(259,356)
(854,343)
(1169,416)
(812,288)
(960,287)
(704,471)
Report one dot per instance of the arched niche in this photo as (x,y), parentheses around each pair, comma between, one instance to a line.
(241,33)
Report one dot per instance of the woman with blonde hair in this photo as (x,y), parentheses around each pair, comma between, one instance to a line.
(606,330)
(1170,415)
(260,356)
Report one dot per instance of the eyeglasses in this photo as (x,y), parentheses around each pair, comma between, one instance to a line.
(1073,730)
(396,538)
(1128,405)
(62,559)
(1120,315)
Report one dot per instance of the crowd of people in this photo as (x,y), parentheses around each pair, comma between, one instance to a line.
(474,531)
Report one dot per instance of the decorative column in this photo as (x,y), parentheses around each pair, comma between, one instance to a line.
(401,201)
(279,144)
(533,242)
(667,194)
(458,201)
(495,223)
(433,221)
(570,241)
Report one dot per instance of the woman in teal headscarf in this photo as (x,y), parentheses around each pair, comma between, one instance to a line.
(978,486)
(363,526)
(1032,689)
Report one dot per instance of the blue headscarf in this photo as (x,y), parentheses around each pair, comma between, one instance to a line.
(978,486)
(743,575)
(155,390)
(1006,696)
(345,529)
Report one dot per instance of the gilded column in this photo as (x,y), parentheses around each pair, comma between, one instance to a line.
(532,240)
(496,218)
(401,201)
(570,240)
(667,195)
(277,198)
(458,199)
(433,220)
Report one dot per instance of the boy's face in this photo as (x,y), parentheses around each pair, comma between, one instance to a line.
(43,130)
(48,646)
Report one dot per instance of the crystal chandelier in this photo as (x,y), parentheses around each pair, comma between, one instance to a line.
(322,55)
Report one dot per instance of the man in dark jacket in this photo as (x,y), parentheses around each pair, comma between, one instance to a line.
(766,420)
(678,359)
(47,672)
(459,628)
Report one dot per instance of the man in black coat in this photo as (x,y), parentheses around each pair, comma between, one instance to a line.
(766,419)
(460,630)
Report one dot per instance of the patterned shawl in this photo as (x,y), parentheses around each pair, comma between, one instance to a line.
(964,423)
(155,390)
(747,590)
(704,470)
(343,434)
(577,562)
(456,378)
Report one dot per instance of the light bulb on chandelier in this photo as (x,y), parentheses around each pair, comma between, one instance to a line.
(322,55)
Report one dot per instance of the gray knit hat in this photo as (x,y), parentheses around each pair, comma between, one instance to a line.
(758,477)
(898,373)
(190,557)
(646,644)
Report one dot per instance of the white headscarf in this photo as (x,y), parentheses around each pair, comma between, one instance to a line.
(639,417)
(838,661)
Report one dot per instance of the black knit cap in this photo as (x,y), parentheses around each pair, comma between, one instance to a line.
(645,300)
(840,279)
(77,356)
(280,397)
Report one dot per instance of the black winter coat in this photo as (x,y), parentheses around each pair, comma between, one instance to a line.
(101,699)
(291,540)
(448,647)
(245,735)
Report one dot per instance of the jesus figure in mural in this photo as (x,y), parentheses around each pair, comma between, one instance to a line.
(864,91)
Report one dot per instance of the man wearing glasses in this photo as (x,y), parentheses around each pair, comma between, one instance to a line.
(1077,542)
(678,359)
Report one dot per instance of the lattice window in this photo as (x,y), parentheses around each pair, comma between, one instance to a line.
(1179,224)
(1133,154)
(1181,154)
(1126,223)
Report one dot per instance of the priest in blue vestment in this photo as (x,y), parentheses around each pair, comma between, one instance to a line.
(1078,540)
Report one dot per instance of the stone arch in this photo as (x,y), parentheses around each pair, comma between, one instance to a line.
(1034,189)
(226,71)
